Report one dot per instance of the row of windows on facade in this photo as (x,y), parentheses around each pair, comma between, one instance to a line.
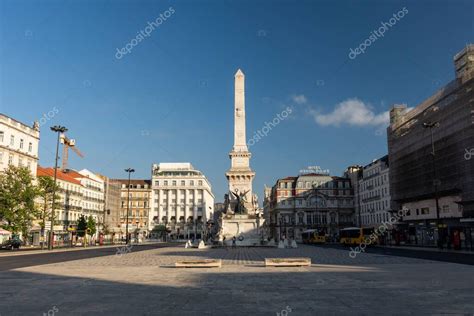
(135,186)
(368,173)
(134,213)
(182,209)
(86,193)
(328,192)
(368,184)
(175,183)
(182,192)
(376,193)
(12,142)
(376,206)
(374,218)
(426,210)
(302,202)
(94,185)
(310,184)
(11,161)
(314,218)
(71,216)
(181,201)
(135,204)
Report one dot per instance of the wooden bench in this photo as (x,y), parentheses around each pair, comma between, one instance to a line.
(204,263)
(287,262)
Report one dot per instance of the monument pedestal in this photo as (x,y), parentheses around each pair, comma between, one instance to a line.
(245,228)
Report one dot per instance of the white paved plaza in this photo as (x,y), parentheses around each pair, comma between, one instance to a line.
(144,283)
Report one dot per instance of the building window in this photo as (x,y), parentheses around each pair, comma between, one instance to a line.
(10,159)
(174,183)
(183,183)
(445,208)
(157,183)
(191,183)
(425,210)
(30,147)
(12,140)
(1,136)
(165,183)
(21,143)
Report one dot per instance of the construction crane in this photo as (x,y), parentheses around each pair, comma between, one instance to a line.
(68,143)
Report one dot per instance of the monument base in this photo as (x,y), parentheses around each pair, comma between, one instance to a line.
(245,229)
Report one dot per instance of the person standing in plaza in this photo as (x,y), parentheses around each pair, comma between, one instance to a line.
(234,240)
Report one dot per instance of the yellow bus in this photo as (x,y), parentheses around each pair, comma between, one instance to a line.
(356,236)
(313,236)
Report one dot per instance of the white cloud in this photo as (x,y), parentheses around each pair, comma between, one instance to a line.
(352,112)
(299,99)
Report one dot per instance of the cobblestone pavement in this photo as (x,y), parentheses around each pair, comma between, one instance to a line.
(242,256)
(143,283)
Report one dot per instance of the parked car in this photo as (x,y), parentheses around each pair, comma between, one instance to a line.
(11,244)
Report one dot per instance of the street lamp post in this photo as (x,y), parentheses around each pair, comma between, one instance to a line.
(129,170)
(432,125)
(57,129)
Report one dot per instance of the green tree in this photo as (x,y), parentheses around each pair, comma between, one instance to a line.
(81,226)
(91,226)
(159,231)
(46,188)
(17,199)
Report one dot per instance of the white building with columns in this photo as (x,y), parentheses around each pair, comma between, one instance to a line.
(18,144)
(182,199)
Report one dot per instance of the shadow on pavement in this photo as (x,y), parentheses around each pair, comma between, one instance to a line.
(27,260)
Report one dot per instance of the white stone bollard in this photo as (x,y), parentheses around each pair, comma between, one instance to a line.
(293,244)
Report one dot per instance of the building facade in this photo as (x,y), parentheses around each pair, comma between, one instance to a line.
(18,144)
(112,207)
(431,155)
(182,199)
(374,193)
(93,201)
(70,195)
(309,201)
(138,206)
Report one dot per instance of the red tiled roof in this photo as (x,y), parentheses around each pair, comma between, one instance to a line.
(77,175)
(49,172)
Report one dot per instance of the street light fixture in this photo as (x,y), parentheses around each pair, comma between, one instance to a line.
(129,170)
(57,129)
(432,125)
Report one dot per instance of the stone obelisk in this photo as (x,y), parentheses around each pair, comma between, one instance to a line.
(240,176)
(240,223)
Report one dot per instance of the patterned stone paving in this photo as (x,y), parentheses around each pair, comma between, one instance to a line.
(242,256)
(143,283)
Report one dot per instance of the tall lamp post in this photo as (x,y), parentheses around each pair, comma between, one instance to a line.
(432,125)
(57,129)
(129,170)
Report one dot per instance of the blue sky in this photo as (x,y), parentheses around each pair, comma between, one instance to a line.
(171,97)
